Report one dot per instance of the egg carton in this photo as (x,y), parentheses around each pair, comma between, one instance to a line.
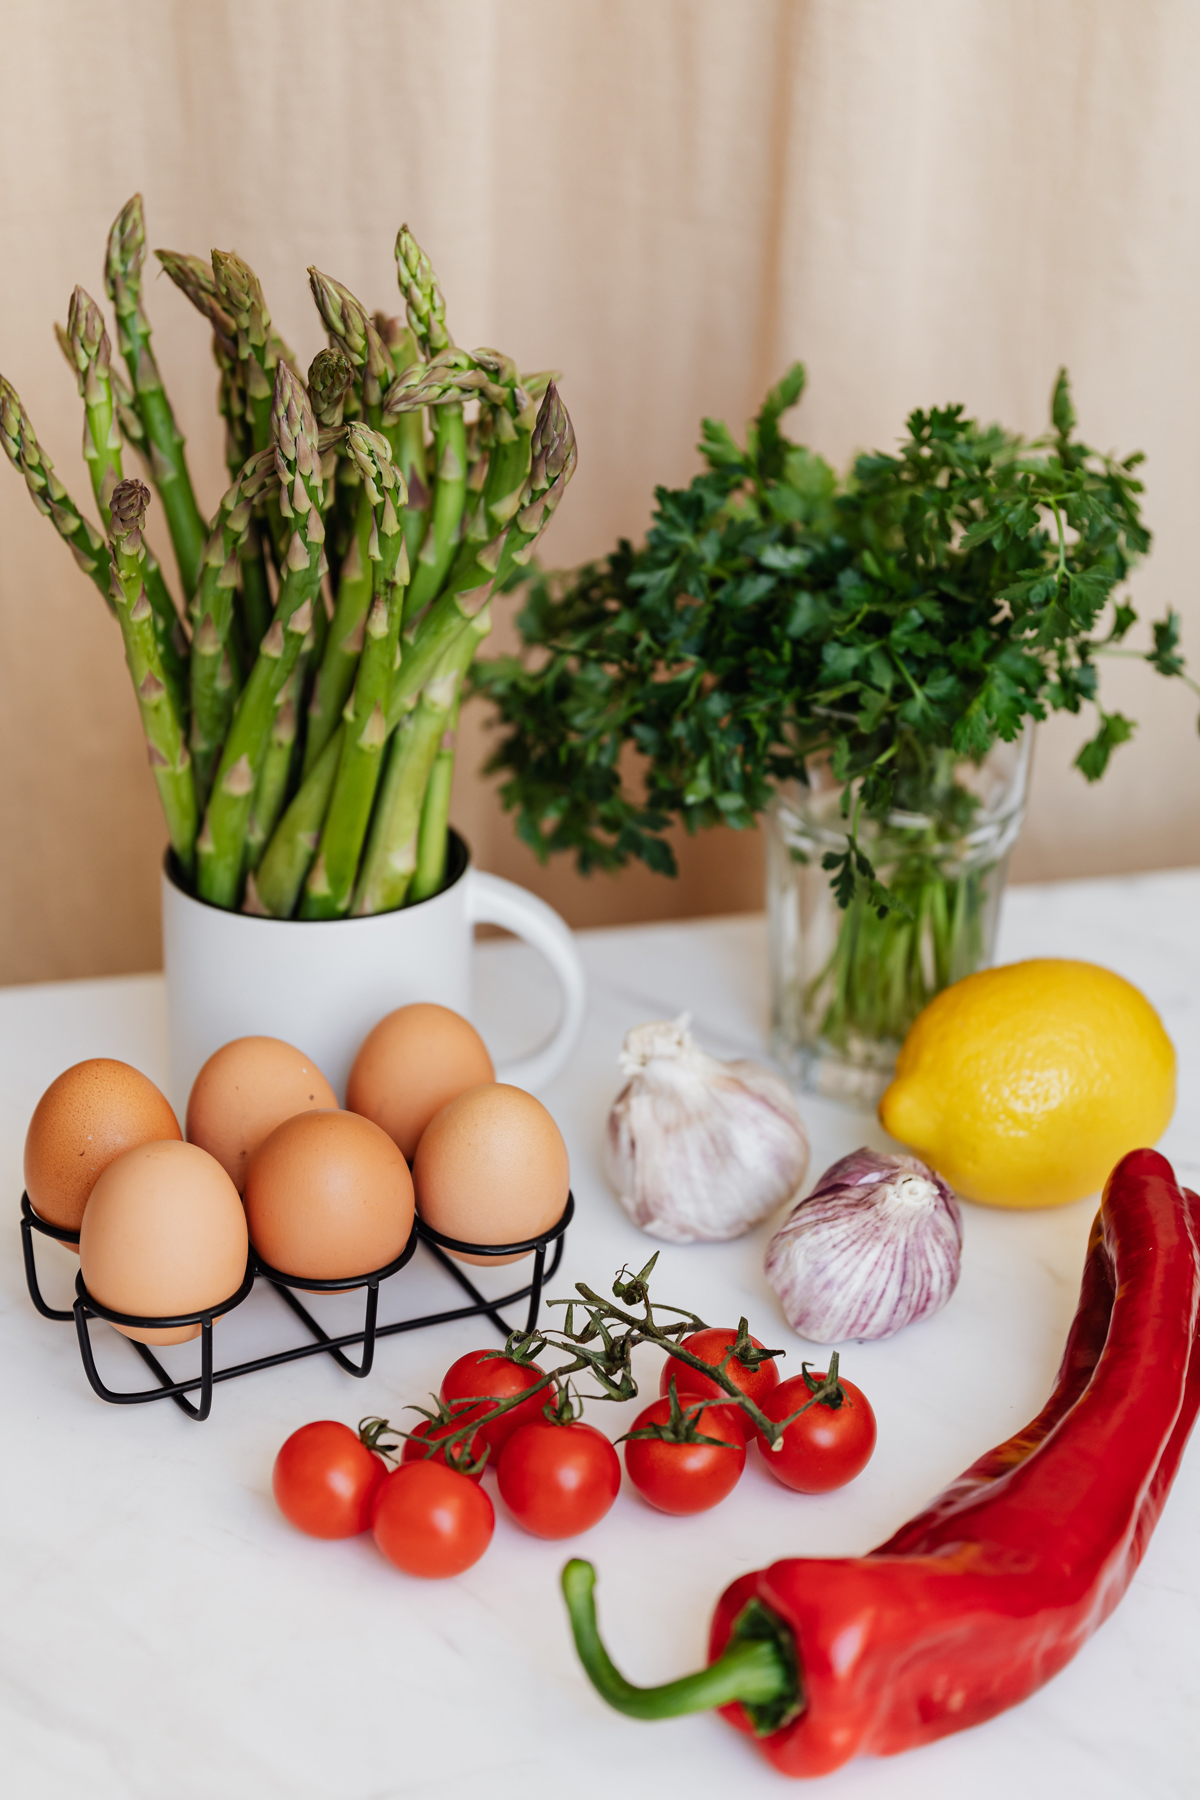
(87,1308)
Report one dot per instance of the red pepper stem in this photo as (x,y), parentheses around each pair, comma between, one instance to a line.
(757,1667)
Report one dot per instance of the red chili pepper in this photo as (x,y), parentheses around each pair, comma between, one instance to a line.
(989,1592)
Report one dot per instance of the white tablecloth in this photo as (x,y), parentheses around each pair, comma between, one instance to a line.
(164,1635)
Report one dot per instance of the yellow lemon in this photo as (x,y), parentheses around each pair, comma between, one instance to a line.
(1025,1085)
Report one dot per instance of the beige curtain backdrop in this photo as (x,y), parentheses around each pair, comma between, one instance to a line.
(928,200)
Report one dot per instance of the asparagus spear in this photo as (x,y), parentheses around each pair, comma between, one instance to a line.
(343,645)
(274,887)
(271,790)
(90,354)
(259,354)
(345,493)
(330,883)
(432,834)
(347,320)
(553,459)
(47,491)
(422,295)
(123,278)
(433,831)
(462,600)
(330,378)
(391,854)
(221,845)
(509,415)
(449,499)
(239,294)
(406,434)
(211,669)
(511,426)
(355,334)
(403,851)
(194,277)
(393,851)
(165,744)
(427,317)
(133,432)
(506,420)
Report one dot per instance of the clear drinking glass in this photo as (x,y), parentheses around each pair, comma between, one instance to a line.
(846,985)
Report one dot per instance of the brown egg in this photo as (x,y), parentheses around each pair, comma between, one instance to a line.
(415,1062)
(164,1233)
(91,1114)
(492,1169)
(328,1195)
(244,1091)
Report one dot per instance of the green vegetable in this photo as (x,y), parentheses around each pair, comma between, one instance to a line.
(273,888)
(897,622)
(163,729)
(164,441)
(47,492)
(271,788)
(393,861)
(222,846)
(330,883)
(212,670)
(271,720)
(89,351)
(432,832)
(407,437)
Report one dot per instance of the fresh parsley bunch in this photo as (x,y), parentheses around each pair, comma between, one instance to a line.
(931,602)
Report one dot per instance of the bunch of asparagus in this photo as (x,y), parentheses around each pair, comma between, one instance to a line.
(299,707)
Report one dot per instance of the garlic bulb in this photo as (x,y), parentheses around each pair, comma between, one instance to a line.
(875,1246)
(700,1150)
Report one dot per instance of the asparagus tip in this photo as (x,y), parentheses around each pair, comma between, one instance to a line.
(128,504)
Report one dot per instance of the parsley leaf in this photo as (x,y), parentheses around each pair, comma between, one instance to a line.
(932,601)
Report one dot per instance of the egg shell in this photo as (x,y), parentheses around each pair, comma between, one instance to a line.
(328,1195)
(88,1116)
(412,1064)
(164,1233)
(244,1091)
(492,1168)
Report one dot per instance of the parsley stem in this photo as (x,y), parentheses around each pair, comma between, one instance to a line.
(1141,656)
(1062,543)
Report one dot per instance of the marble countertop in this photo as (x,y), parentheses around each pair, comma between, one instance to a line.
(164,1635)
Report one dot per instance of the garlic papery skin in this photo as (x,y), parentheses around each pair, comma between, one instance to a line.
(699,1151)
(874,1247)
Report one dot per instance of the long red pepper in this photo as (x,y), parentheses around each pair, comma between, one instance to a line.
(988,1593)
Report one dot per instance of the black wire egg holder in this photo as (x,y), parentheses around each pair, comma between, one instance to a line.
(87,1307)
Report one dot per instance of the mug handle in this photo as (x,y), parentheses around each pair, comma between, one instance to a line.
(493,901)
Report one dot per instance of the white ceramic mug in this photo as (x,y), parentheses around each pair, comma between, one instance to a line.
(322,984)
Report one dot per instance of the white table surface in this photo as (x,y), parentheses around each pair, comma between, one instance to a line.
(165,1634)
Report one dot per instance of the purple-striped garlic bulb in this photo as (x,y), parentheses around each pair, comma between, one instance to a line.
(700,1150)
(874,1247)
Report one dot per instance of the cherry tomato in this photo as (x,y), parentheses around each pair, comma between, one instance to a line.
(467,1449)
(826,1446)
(556,1479)
(686,1478)
(431,1521)
(500,1378)
(325,1480)
(710,1346)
